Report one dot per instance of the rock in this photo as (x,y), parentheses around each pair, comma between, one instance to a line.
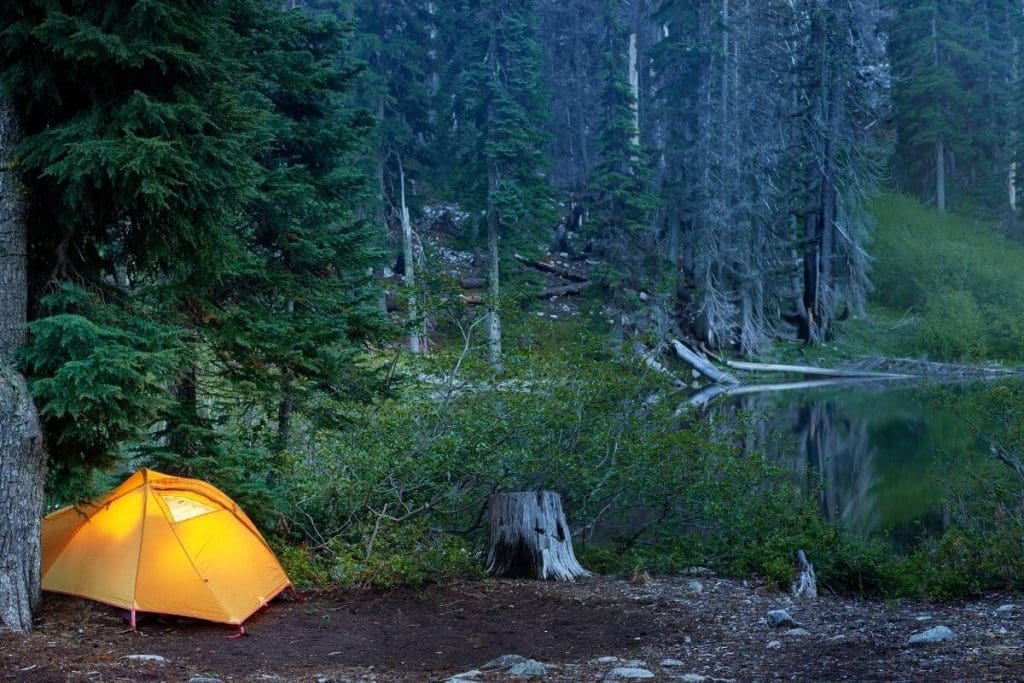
(504,662)
(797,632)
(774,645)
(627,673)
(694,586)
(464,676)
(932,636)
(1005,609)
(203,679)
(608,660)
(671,663)
(698,571)
(531,668)
(780,618)
(153,659)
(694,678)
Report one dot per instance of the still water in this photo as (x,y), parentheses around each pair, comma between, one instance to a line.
(880,458)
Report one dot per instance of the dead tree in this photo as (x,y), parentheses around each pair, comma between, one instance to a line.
(530,538)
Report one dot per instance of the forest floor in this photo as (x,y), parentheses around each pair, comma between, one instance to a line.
(675,628)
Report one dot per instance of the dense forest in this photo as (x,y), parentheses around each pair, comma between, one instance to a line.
(362,263)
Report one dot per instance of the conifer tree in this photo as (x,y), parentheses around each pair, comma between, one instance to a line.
(496,119)
(621,203)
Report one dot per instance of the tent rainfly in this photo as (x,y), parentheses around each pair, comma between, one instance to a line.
(162,544)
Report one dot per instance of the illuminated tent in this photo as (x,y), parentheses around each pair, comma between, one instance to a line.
(162,544)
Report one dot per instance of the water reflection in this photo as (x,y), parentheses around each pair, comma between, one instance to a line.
(876,456)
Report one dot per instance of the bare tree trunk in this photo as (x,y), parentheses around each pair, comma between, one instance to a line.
(22,459)
(410,267)
(494,272)
(634,86)
(530,538)
(940,176)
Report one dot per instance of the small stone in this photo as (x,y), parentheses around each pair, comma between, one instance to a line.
(924,617)
(932,636)
(464,676)
(671,663)
(774,645)
(504,662)
(203,679)
(627,673)
(1005,609)
(780,618)
(608,660)
(694,586)
(694,678)
(154,659)
(531,668)
(797,632)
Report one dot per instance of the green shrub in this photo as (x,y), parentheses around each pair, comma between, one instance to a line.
(953,326)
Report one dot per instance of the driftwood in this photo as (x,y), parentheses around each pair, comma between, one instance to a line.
(530,537)
(806,583)
(565,290)
(553,268)
(472,299)
(702,364)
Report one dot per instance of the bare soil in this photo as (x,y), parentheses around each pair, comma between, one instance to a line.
(434,633)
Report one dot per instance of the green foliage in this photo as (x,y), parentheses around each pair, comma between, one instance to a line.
(959,277)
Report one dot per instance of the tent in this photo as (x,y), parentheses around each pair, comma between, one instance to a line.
(164,544)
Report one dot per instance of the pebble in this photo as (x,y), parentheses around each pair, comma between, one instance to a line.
(669,663)
(797,632)
(464,676)
(203,679)
(1005,609)
(627,673)
(775,645)
(780,618)
(938,634)
(694,678)
(155,659)
(694,586)
(608,660)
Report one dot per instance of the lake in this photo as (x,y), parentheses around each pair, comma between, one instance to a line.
(879,457)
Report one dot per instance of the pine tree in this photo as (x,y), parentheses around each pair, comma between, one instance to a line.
(621,204)
(496,122)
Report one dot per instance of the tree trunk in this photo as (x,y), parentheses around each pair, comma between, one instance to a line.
(494,272)
(410,269)
(13,269)
(940,176)
(530,538)
(22,460)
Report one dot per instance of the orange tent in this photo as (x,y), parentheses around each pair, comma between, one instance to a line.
(162,544)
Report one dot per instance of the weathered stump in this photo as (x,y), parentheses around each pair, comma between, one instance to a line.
(530,538)
(21,502)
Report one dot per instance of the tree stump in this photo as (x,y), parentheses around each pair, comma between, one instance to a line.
(530,538)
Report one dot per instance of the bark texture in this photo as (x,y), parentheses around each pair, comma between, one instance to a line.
(13,269)
(21,502)
(530,538)
(21,442)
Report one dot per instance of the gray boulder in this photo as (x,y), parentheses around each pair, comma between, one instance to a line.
(780,618)
(938,634)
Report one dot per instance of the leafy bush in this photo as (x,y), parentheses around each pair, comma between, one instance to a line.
(953,326)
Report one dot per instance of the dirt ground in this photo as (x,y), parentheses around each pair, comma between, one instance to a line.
(672,627)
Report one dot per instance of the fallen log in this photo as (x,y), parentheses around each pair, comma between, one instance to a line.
(472,299)
(650,361)
(565,290)
(705,395)
(811,371)
(702,364)
(553,269)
